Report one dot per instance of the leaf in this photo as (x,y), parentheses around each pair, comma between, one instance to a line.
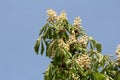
(50,33)
(46,34)
(98,76)
(98,47)
(91,47)
(100,57)
(36,47)
(80,69)
(44,29)
(42,47)
(94,43)
(81,49)
(50,71)
(68,53)
(117,76)
(68,61)
(58,56)
(53,78)
(75,56)
(50,46)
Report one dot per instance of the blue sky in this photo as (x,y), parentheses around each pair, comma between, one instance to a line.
(21,20)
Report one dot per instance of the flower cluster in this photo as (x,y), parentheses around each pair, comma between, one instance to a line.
(83,61)
(118,51)
(83,40)
(72,39)
(77,22)
(62,17)
(75,77)
(62,44)
(51,14)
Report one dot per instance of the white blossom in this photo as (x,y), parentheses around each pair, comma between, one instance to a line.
(118,51)
(72,39)
(83,61)
(51,14)
(62,44)
(77,22)
(83,40)
(62,17)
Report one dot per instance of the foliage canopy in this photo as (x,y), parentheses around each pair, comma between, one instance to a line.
(74,55)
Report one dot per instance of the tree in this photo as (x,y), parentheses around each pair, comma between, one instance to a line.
(74,55)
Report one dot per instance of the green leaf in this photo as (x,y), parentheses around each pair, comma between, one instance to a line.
(98,76)
(50,46)
(100,57)
(68,61)
(81,49)
(80,69)
(58,56)
(44,29)
(94,43)
(50,33)
(91,47)
(42,47)
(68,53)
(46,34)
(98,47)
(36,47)
(53,78)
(117,76)
(75,56)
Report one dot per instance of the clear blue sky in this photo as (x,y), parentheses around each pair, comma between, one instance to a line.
(21,20)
